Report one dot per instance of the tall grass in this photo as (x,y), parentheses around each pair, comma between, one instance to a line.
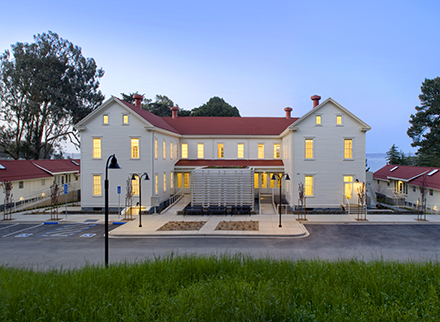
(226,288)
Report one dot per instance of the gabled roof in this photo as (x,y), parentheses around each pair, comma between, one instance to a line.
(204,125)
(229,163)
(410,174)
(19,170)
(364,126)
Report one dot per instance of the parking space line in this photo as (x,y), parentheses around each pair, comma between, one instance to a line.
(8,226)
(22,230)
(68,230)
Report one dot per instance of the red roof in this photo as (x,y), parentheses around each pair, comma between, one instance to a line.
(229,163)
(18,170)
(210,125)
(410,174)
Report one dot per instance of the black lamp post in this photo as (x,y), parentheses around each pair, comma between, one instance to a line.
(280,177)
(113,165)
(133,177)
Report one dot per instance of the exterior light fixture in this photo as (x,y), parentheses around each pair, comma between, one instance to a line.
(280,177)
(133,177)
(113,165)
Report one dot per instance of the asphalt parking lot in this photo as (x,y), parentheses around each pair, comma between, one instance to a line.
(40,246)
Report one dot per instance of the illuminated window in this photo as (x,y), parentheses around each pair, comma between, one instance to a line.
(318,119)
(124,118)
(156,153)
(348,180)
(135,148)
(240,150)
(256,178)
(260,151)
(164,182)
(272,182)
(105,119)
(264,180)
(200,152)
(276,151)
(135,186)
(179,180)
(348,149)
(309,149)
(96,148)
(186,179)
(96,185)
(220,150)
(156,184)
(338,119)
(172,180)
(171,150)
(184,150)
(308,186)
(164,149)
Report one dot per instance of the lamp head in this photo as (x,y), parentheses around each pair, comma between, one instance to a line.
(114,163)
(273,177)
(133,176)
(287,177)
(146,176)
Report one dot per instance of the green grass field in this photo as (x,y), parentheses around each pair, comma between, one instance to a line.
(226,288)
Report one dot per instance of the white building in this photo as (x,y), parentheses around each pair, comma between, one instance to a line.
(324,150)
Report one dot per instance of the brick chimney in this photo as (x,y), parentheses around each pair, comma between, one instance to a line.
(138,100)
(315,99)
(174,111)
(288,110)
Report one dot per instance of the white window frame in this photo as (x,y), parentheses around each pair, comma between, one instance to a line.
(128,119)
(93,184)
(313,185)
(352,150)
(131,148)
(305,148)
(100,148)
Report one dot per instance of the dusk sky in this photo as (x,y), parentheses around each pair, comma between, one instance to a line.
(260,56)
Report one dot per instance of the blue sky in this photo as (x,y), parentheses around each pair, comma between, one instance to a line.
(260,56)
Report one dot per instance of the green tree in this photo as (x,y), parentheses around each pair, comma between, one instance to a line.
(216,106)
(394,156)
(425,124)
(45,88)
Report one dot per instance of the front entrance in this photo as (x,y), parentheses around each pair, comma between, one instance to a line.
(350,193)
(264,184)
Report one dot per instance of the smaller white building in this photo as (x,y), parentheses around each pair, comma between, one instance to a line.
(403,185)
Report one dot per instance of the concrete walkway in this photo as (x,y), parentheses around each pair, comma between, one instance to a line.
(268,222)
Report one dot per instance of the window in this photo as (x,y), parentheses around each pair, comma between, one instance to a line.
(155,149)
(164,182)
(179,180)
(105,119)
(308,186)
(20,184)
(431,192)
(96,148)
(43,182)
(348,149)
(135,186)
(96,185)
(135,148)
(171,150)
(264,180)
(256,178)
(186,179)
(318,119)
(240,150)
(124,118)
(260,151)
(220,150)
(276,151)
(164,149)
(309,149)
(348,181)
(200,152)
(156,184)
(414,188)
(184,150)
(338,119)
(172,180)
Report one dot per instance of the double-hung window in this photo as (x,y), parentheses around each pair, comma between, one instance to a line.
(308,149)
(308,185)
(164,149)
(276,151)
(135,148)
(184,150)
(260,151)
(97,185)
(96,148)
(240,150)
(220,151)
(200,151)
(348,149)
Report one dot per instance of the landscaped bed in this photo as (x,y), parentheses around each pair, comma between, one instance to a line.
(238,225)
(182,225)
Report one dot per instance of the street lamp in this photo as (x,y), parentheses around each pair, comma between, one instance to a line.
(113,165)
(279,177)
(133,177)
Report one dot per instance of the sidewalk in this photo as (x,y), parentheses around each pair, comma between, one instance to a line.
(268,223)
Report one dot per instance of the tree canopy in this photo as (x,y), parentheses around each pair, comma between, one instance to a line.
(425,124)
(45,88)
(216,106)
